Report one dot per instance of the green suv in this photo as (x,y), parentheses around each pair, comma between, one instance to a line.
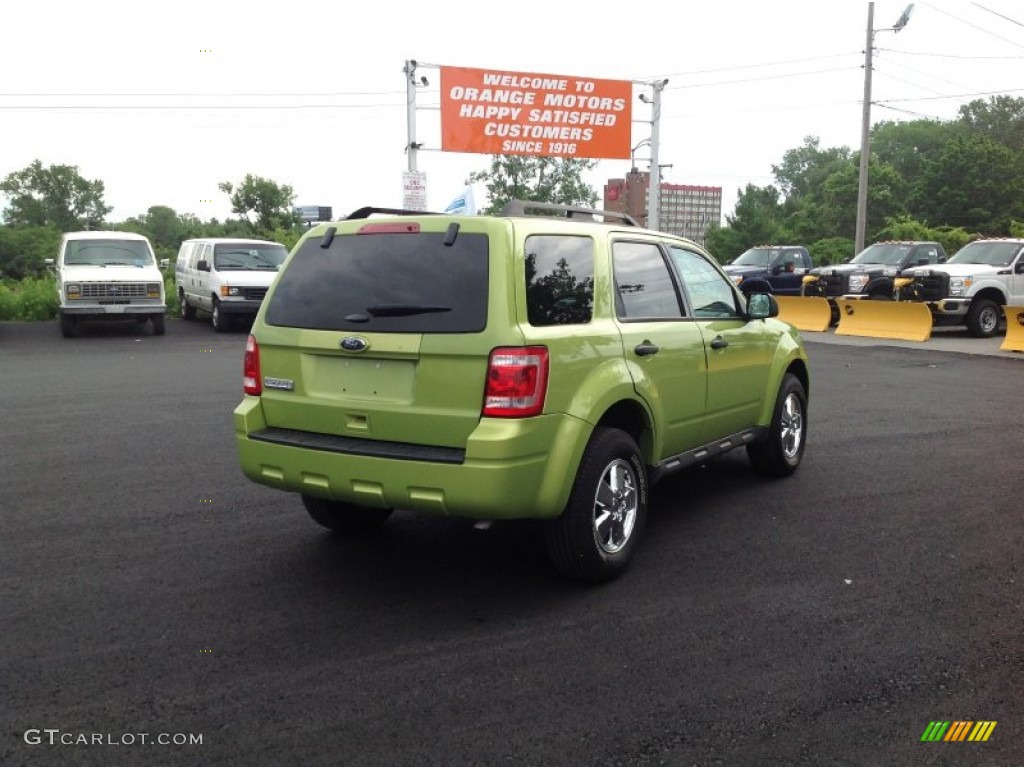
(547,366)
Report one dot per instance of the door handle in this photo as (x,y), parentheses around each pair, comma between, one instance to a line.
(719,343)
(642,350)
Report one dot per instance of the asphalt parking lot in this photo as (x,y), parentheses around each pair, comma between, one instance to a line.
(149,588)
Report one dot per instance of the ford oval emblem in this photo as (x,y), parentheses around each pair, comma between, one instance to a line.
(354,344)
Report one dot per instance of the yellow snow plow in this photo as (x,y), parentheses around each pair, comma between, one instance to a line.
(1014,341)
(808,313)
(906,320)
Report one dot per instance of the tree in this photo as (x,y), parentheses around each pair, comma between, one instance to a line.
(975,183)
(756,221)
(24,249)
(264,204)
(540,179)
(56,196)
(1001,118)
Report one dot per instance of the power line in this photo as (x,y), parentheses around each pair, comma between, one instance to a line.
(975,26)
(757,79)
(996,13)
(961,95)
(204,95)
(222,107)
(754,66)
(950,55)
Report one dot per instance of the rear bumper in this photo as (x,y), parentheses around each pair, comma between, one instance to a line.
(511,468)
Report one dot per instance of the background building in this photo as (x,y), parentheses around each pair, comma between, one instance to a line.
(686,209)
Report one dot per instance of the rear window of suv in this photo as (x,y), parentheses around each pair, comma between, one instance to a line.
(386,282)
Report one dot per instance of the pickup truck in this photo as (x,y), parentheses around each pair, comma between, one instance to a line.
(775,269)
(870,274)
(973,287)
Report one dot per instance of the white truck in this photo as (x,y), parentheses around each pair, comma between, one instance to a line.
(972,287)
(108,276)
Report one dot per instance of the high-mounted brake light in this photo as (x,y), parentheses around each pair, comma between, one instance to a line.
(252,382)
(517,382)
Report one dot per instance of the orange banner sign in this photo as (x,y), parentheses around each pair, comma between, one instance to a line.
(514,113)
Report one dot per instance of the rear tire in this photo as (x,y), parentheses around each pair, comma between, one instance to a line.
(343,518)
(983,318)
(780,454)
(595,537)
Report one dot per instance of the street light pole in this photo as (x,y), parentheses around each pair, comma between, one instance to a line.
(865,138)
(865,128)
(654,187)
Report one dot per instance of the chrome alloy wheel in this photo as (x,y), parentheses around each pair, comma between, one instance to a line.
(988,320)
(791,432)
(615,506)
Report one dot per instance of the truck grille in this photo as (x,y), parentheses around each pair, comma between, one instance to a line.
(835,285)
(254,294)
(932,287)
(113,290)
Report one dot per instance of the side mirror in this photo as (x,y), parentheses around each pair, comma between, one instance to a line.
(922,261)
(761,305)
(48,262)
(164,263)
(203,265)
(776,269)
(1019,269)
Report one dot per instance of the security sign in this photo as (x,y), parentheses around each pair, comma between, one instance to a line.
(513,113)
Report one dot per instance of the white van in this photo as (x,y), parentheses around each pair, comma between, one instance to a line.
(108,276)
(225,276)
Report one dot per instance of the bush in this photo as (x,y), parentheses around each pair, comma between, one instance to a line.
(34,298)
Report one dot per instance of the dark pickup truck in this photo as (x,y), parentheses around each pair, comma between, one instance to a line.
(775,269)
(871,272)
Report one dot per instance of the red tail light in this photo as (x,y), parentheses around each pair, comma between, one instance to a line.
(517,382)
(252,382)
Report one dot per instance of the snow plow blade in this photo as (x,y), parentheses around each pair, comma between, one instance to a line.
(808,313)
(905,320)
(1014,341)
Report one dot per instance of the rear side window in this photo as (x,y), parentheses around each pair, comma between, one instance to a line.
(559,280)
(385,282)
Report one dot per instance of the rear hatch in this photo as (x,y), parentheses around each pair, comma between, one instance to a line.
(380,330)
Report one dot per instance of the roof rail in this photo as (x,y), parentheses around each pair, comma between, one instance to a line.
(367,211)
(521,208)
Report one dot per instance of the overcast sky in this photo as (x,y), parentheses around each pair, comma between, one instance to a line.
(163,100)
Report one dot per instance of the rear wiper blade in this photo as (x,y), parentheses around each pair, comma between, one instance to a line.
(403,310)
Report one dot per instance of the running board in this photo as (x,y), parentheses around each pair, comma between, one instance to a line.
(700,455)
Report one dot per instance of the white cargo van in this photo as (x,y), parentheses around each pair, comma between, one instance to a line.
(226,277)
(108,276)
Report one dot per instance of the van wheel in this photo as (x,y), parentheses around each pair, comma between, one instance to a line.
(983,318)
(344,518)
(595,537)
(188,312)
(158,324)
(780,454)
(220,320)
(68,326)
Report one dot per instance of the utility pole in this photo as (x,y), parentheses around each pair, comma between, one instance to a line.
(865,128)
(865,138)
(654,182)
